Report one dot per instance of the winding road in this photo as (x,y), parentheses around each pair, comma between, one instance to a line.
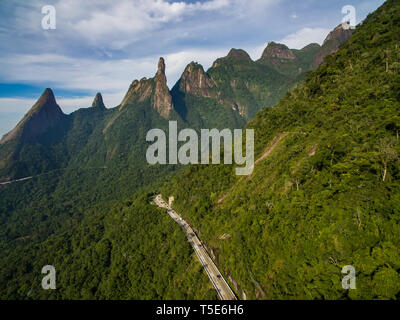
(218,281)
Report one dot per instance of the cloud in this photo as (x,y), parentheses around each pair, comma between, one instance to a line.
(116,24)
(106,76)
(304,37)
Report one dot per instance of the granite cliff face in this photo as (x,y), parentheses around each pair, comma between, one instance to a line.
(162,100)
(155,89)
(44,114)
(278,51)
(332,43)
(196,81)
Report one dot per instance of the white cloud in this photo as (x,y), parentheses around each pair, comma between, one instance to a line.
(304,37)
(106,76)
(15,105)
(119,23)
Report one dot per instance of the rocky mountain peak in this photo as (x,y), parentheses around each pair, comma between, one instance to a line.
(239,54)
(98,102)
(277,50)
(233,55)
(340,34)
(196,81)
(45,113)
(162,99)
(335,38)
(155,89)
(161,66)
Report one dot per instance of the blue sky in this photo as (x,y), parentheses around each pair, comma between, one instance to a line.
(104,45)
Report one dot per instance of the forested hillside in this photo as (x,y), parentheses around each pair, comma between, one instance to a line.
(327,193)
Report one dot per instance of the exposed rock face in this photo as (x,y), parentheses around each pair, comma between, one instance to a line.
(44,114)
(162,100)
(98,102)
(340,34)
(138,91)
(155,89)
(279,51)
(332,43)
(195,81)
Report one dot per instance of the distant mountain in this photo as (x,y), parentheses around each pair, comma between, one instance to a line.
(294,63)
(44,114)
(242,85)
(289,62)
(98,102)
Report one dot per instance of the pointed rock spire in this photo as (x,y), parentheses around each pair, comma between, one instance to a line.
(98,102)
(161,66)
(155,89)
(44,114)
(162,99)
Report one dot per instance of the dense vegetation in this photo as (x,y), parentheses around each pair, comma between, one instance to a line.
(113,250)
(328,194)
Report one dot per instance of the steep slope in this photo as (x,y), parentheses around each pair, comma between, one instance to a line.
(295,63)
(197,99)
(332,43)
(44,114)
(154,89)
(327,192)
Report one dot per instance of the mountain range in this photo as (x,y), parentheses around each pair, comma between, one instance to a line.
(230,93)
(317,198)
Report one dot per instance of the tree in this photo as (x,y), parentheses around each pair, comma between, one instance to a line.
(387,154)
